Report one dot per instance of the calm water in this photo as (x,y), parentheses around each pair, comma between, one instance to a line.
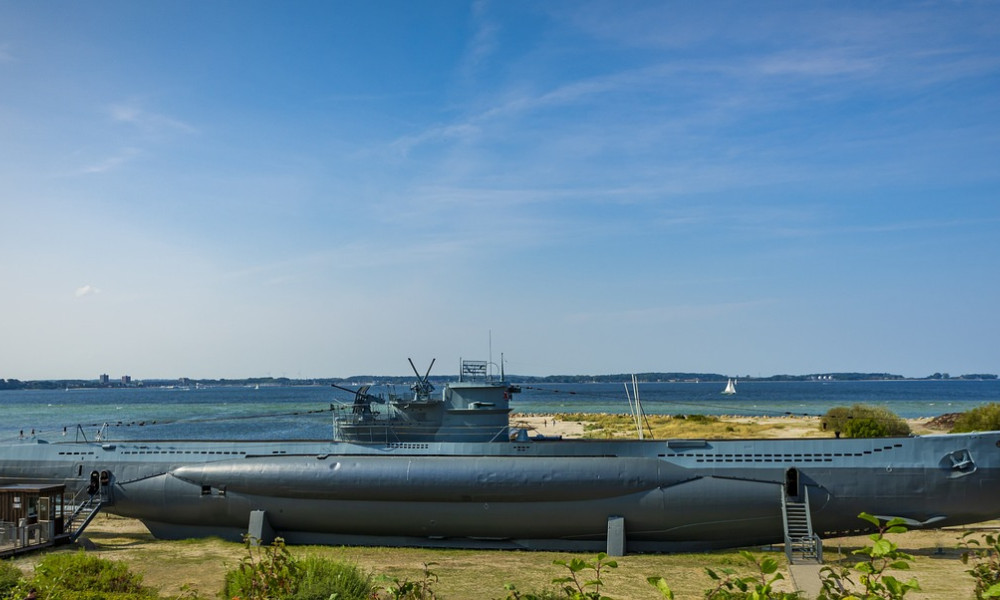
(302,412)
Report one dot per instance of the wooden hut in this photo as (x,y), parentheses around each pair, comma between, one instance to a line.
(31,514)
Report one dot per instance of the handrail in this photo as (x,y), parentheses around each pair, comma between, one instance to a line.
(809,546)
(784,524)
(94,509)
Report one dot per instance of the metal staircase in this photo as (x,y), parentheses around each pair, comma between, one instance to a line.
(85,512)
(802,545)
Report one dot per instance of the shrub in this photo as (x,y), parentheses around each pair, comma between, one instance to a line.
(514,594)
(864,421)
(79,576)
(321,579)
(10,577)
(699,418)
(873,580)
(422,589)
(265,572)
(982,554)
(578,585)
(272,573)
(982,418)
(756,586)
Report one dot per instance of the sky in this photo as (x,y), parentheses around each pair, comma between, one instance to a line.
(325,189)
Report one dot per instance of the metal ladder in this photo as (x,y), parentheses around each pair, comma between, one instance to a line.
(85,512)
(802,545)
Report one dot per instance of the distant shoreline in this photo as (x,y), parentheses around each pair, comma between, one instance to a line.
(53,384)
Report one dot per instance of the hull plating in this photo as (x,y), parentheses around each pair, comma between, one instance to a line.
(673,495)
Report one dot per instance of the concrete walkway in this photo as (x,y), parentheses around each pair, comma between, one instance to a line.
(806,579)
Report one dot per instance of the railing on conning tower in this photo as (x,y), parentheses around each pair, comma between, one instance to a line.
(473,370)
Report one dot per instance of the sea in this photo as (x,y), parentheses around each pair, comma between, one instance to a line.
(306,412)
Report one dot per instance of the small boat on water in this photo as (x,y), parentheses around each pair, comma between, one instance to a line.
(730,388)
(444,468)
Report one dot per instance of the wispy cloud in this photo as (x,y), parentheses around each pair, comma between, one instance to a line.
(818,64)
(5,55)
(111,163)
(457,131)
(483,42)
(86,290)
(149,122)
(152,127)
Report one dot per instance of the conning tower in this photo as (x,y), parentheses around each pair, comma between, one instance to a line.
(474,408)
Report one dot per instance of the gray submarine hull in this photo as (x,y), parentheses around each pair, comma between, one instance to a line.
(672,495)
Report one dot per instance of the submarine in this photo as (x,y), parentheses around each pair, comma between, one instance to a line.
(444,468)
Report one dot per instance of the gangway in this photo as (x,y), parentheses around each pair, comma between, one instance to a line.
(83,514)
(802,545)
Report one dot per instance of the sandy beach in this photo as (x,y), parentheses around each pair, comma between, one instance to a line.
(770,427)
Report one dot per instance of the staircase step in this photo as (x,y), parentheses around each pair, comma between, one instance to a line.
(801,542)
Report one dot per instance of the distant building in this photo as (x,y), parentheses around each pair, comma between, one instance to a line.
(126,379)
(104,379)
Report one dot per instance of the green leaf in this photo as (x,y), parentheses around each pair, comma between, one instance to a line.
(869,518)
(864,568)
(881,548)
(768,566)
(576,565)
(894,585)
(660,584)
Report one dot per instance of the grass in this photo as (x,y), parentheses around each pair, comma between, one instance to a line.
(464,574)
(474,574)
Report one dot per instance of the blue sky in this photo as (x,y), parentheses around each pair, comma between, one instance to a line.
(305,189)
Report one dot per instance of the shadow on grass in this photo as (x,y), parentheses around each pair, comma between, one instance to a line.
(118,540)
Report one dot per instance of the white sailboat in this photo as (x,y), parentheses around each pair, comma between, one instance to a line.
(730,387)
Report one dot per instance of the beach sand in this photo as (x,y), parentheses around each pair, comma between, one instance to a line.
(547,425)
(771,427)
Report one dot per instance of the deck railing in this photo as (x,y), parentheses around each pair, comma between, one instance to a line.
(15,537)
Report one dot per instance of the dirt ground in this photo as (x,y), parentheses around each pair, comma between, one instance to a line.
(181,568)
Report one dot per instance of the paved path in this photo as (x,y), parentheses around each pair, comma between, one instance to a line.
(806,579)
